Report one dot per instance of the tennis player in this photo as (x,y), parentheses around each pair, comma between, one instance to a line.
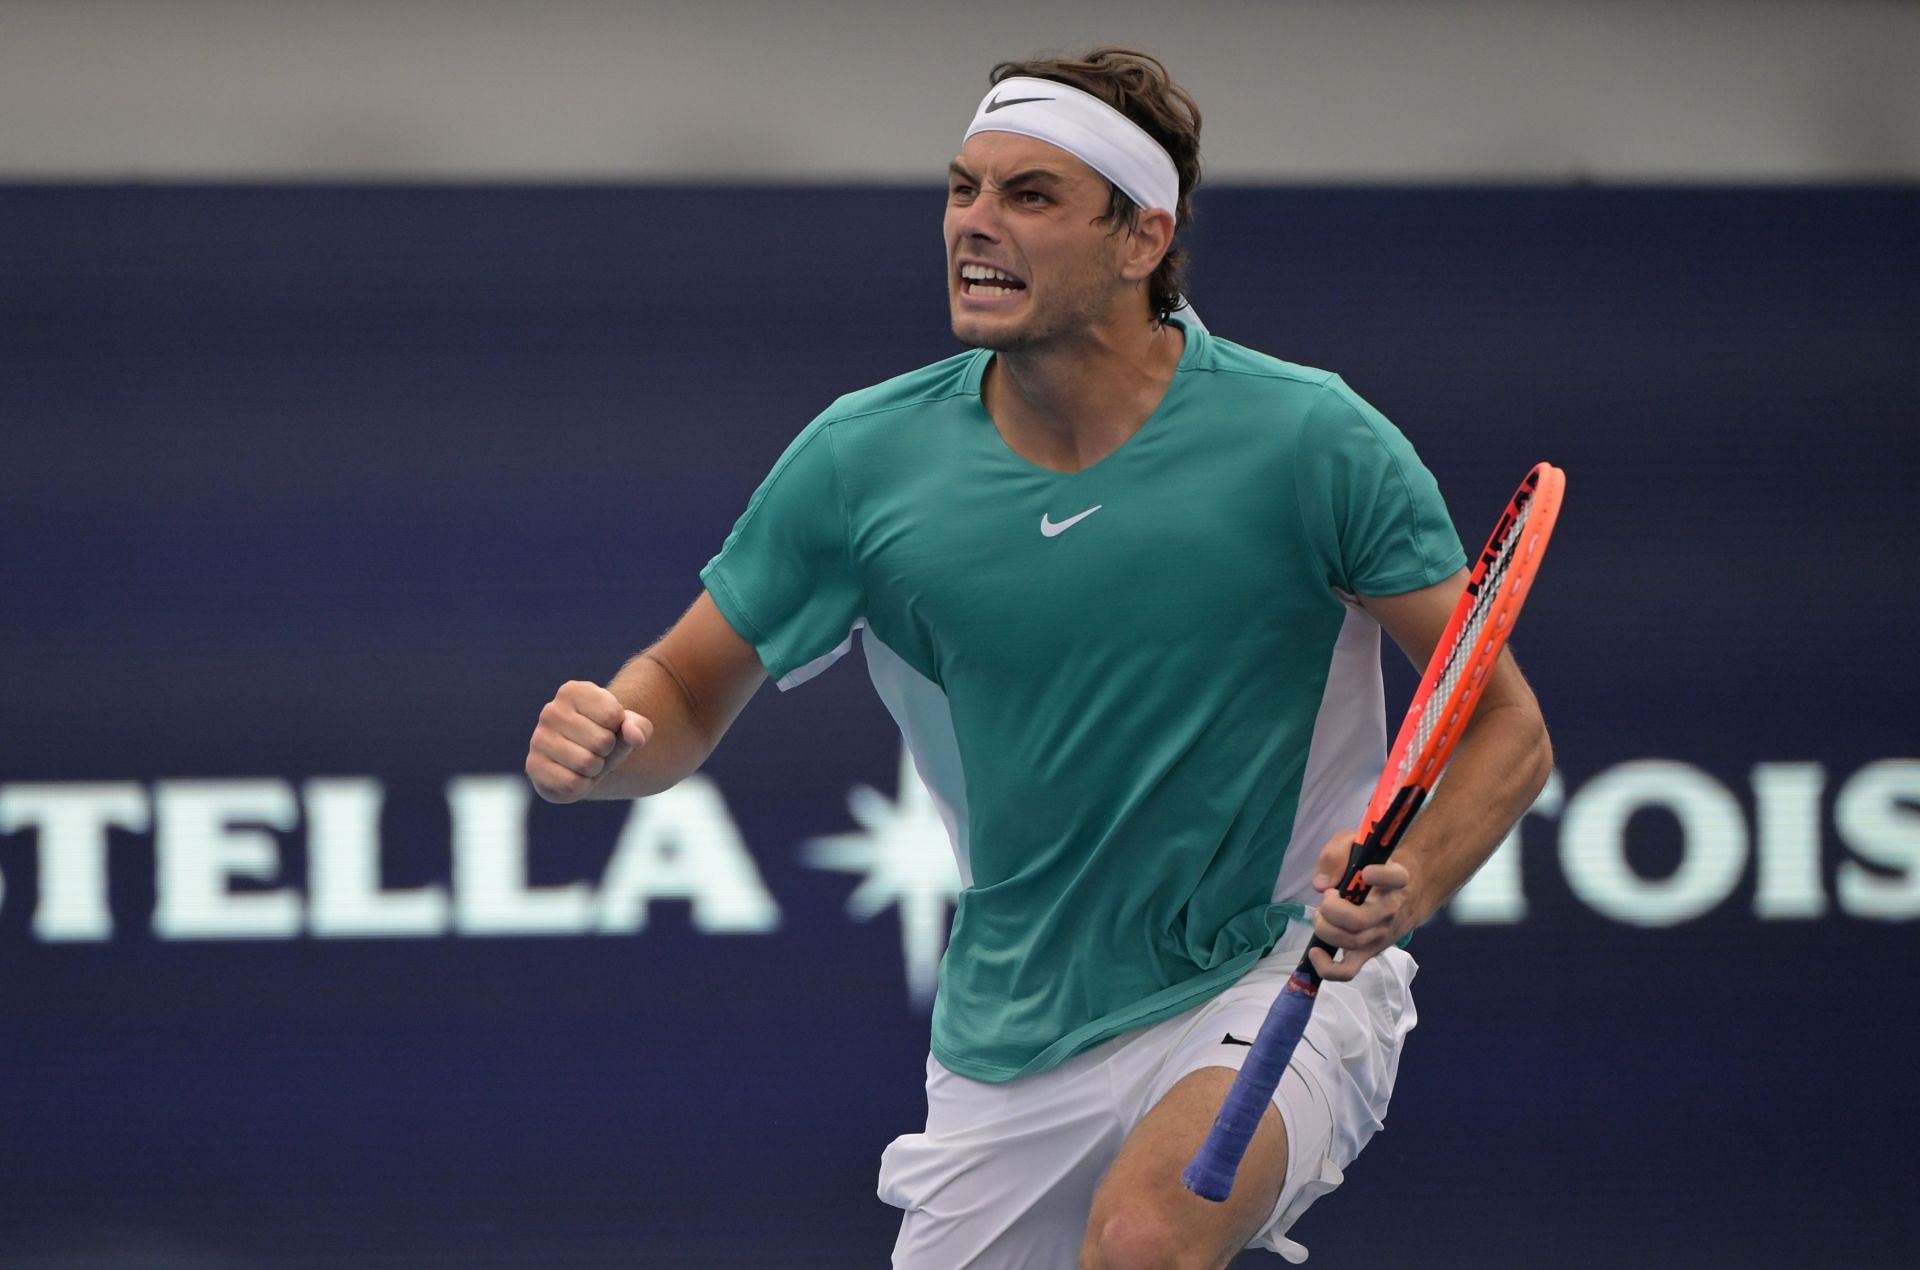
(1121,583)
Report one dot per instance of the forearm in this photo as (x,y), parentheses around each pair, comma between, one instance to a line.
(679,744)
(655,724)
(1499,767)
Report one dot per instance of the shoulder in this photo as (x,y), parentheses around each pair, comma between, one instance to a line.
(1321,424)
(1304,400)
(946,380)
(1236,363)
(861,431)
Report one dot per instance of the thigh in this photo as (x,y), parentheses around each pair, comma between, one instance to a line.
(1142,1214)
(1332,1098)
(1002,1176)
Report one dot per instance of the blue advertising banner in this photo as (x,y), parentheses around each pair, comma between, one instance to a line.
(311,496)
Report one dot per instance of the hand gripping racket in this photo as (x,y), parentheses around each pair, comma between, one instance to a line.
(1462,663)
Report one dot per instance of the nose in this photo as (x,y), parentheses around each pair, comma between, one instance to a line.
(980,218)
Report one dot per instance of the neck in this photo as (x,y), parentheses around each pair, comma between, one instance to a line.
(1071,404)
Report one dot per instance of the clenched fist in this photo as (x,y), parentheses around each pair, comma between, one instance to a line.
(1358,931)
(584,735)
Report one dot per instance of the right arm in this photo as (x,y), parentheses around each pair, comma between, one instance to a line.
(655,723)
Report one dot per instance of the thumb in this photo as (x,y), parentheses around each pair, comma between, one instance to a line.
(1334,858)
(635,731)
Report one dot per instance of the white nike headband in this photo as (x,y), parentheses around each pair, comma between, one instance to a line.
(1087,128)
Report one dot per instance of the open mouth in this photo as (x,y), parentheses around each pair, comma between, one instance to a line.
(984,282)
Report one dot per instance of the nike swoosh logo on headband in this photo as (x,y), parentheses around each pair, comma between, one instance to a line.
(998,104)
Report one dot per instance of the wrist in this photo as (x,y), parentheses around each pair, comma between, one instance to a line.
(1420,902)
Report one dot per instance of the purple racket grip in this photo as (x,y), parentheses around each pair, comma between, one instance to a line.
(1211,1172)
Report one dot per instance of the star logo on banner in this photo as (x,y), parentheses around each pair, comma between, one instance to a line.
(908,862)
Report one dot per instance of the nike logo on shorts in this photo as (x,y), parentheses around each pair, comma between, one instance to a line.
(1231,1039)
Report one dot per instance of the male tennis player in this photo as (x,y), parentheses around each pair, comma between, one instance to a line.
(1121,584)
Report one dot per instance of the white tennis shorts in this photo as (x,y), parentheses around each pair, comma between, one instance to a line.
(1004,1175)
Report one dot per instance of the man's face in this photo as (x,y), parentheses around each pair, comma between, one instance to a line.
(1027,264)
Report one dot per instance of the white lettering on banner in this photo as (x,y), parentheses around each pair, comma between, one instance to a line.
(73,821)
(1877,812)
(1786,817)
(683,845)
(343,868)
(1878,815)
(1593,843)
(1494,894)
(491,895)
(220,870)
(198,850)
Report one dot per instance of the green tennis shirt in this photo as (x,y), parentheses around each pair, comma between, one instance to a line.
(1141,694)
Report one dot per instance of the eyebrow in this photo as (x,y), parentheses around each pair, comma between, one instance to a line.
(1029,176)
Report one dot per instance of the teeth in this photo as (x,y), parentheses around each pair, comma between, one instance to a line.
(984,273)
(984,290)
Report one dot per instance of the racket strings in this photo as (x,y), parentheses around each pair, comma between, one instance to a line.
(1441,704)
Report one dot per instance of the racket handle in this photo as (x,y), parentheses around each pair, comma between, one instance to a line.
(1211,1172)
(1350,888)
(1377,843)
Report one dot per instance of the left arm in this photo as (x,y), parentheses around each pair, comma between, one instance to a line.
(1501,763)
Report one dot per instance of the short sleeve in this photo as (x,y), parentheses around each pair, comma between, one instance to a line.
(1371,507)
(784,578)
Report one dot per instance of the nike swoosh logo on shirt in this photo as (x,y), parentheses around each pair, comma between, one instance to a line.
(1231,1039)
(1054,530)
(1000,103)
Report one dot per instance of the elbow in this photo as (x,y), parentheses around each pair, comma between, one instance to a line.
(1539,758)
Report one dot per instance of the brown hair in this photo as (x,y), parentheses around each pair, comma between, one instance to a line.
(1138,86)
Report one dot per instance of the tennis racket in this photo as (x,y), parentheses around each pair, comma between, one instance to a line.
(1462,664)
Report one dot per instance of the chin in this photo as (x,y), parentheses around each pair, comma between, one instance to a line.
(1000,337)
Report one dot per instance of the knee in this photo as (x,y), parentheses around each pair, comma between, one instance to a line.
(1139,1239)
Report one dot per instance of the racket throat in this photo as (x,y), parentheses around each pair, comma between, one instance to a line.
(1384,834)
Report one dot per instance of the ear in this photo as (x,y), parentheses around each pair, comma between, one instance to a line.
(1147,245)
